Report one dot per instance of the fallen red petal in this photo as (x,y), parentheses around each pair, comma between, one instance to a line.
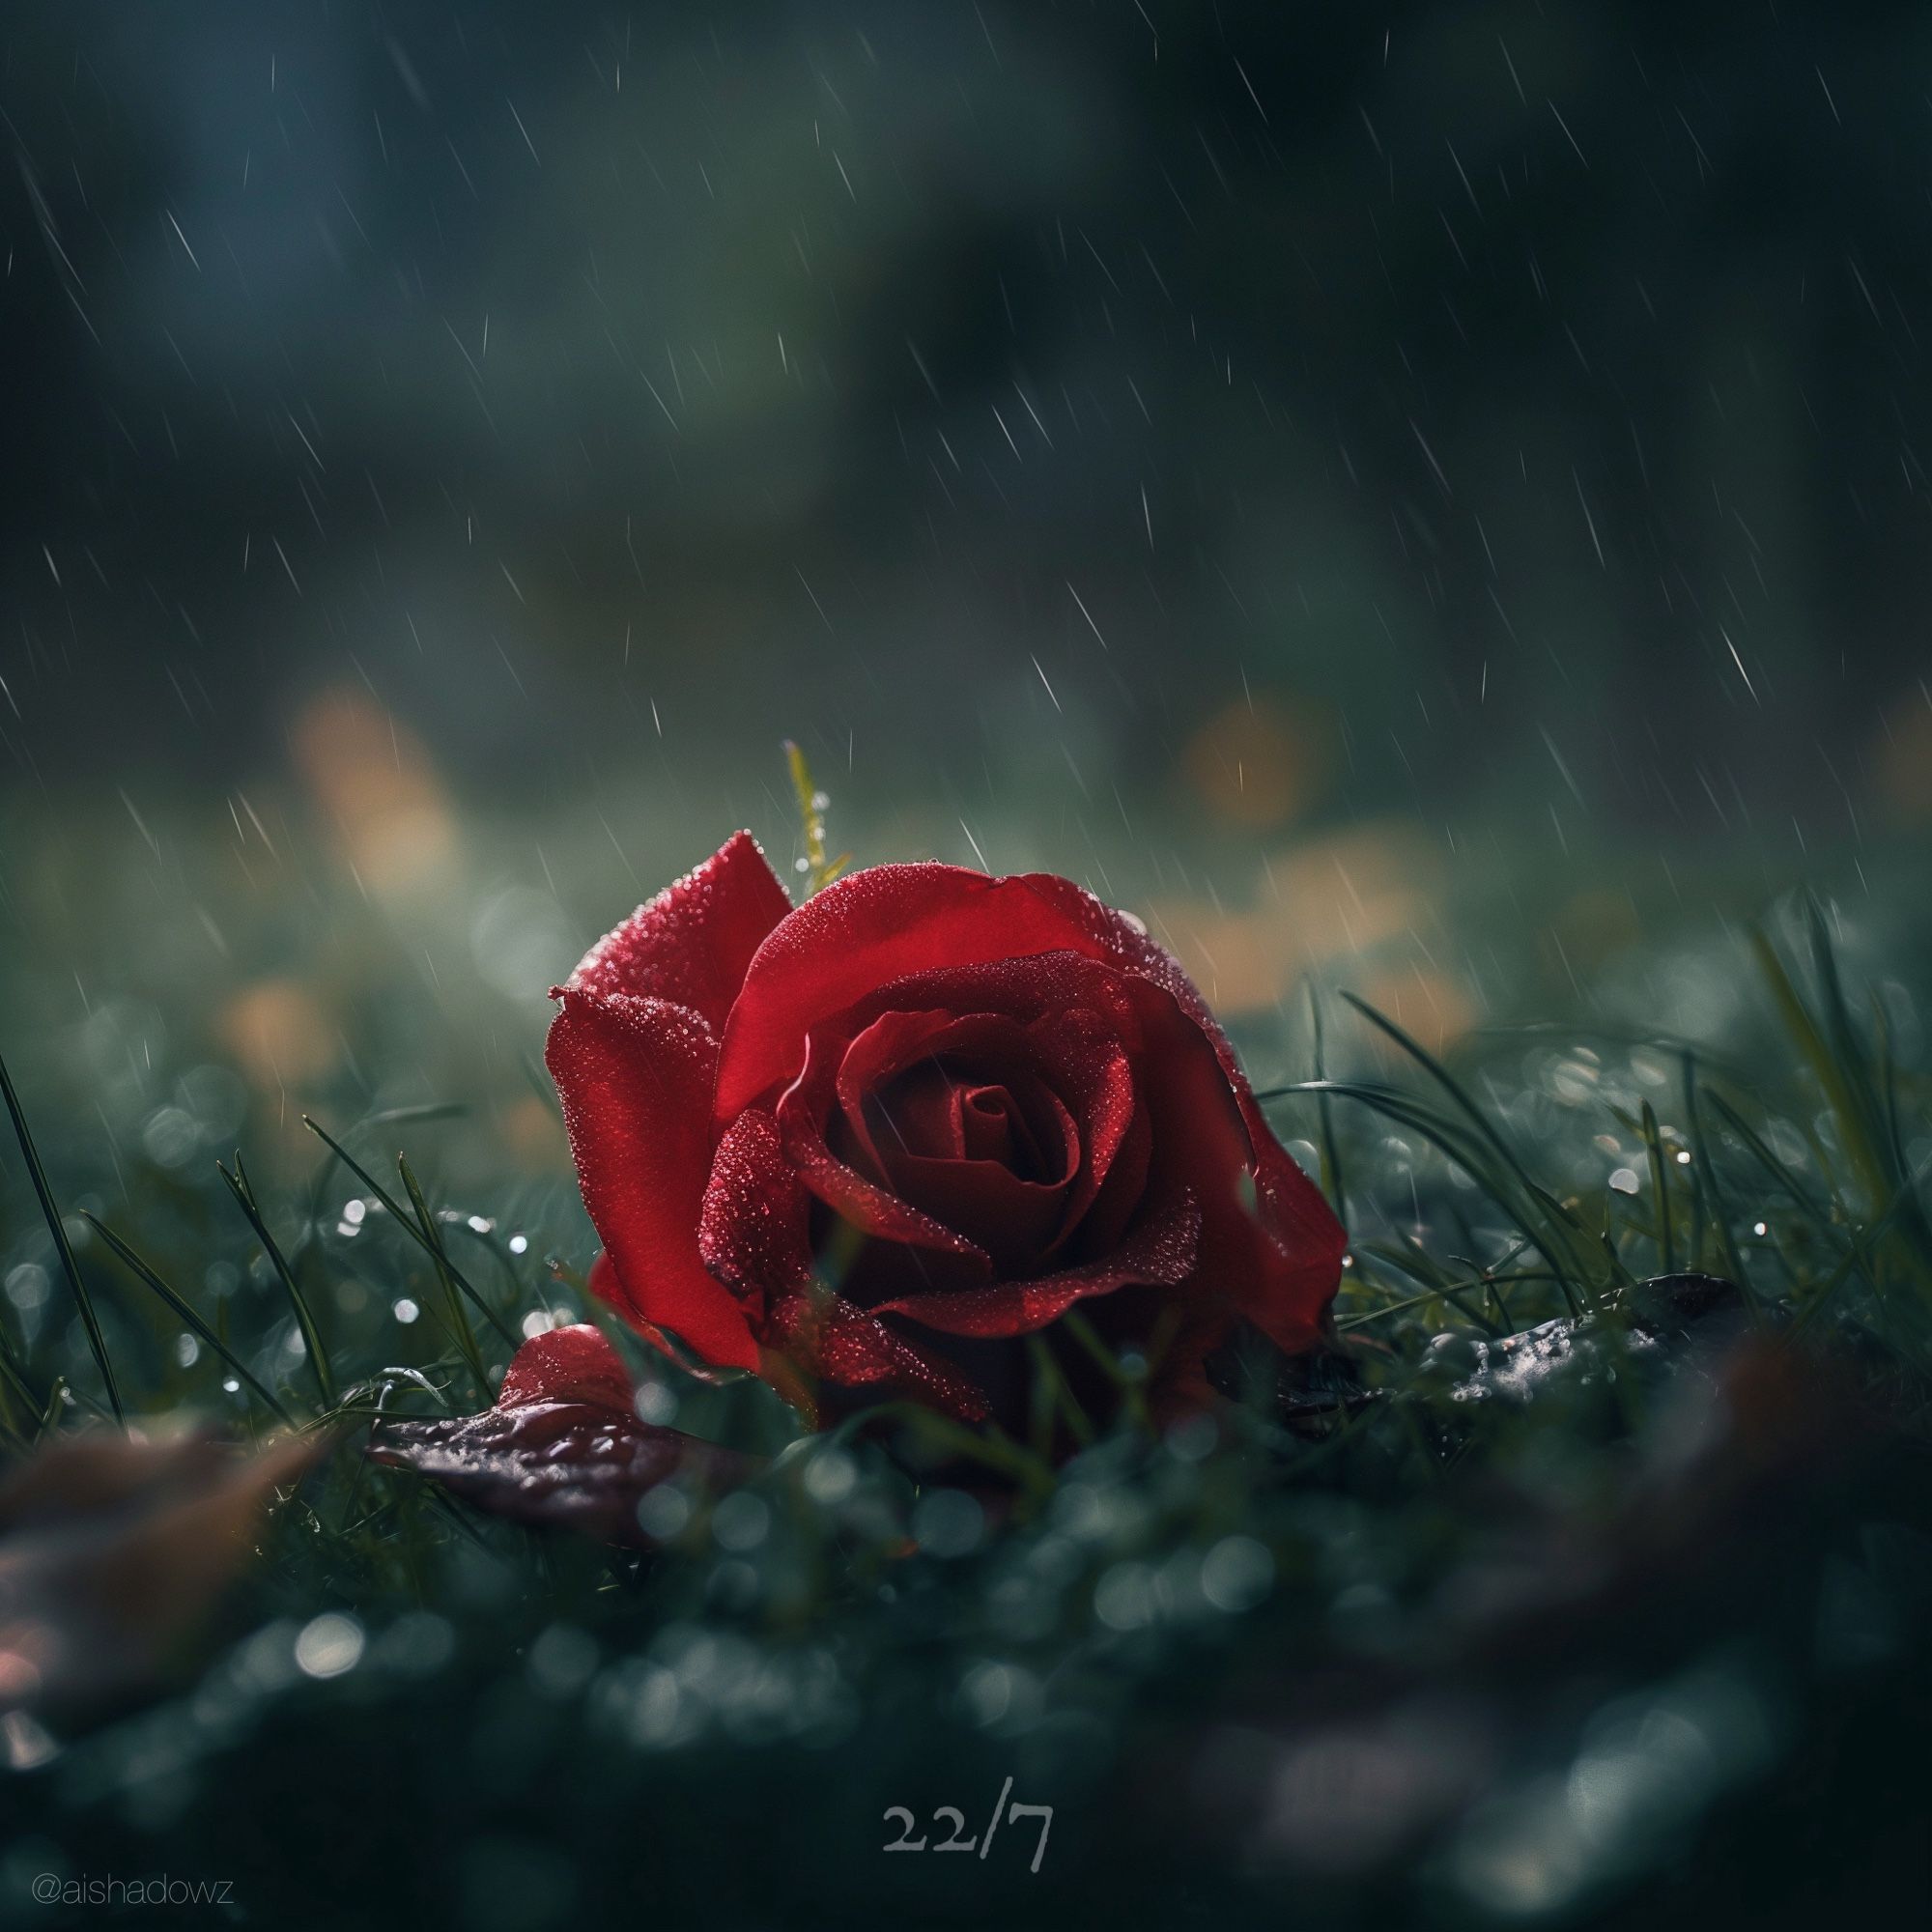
(574,1364)
(563,1447)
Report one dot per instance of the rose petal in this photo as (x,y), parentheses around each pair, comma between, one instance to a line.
(988,1123)
(870,1058)
(867,1207)
(997,1173)
(1162,1254)
(866,929)
(1031,988)
(1283,1265)
(1201,1141)
(692,943)
(754,1230)
(1002,1057)
(847,1346)
(756,1236)
(889,921)
(1069,1062)
(1014,1221)
(635,1076)
(1289,1295)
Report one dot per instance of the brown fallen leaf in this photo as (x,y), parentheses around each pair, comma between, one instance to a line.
(112,1547)
(564,1445)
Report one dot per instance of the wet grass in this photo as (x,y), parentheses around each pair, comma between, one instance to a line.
(1155,1637)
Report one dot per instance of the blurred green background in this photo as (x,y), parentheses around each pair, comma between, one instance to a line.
(1435,498)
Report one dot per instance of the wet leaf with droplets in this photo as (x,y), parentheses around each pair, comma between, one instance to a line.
(563,1447)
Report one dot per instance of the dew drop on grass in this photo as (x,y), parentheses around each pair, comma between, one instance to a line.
(664,1512)
(948,1522)
(656,1404)
(740,1521)
(1237,1574)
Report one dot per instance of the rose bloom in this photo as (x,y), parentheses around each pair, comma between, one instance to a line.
(873,1143)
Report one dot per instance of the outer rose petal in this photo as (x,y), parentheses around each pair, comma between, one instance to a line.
(692,943)
(1287,1300)
(882,923)
(636,1077)
(1201,1142)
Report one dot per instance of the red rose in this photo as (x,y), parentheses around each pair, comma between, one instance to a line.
(870,1141)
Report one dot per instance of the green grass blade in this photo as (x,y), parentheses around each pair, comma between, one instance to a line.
(541,1084)
(1331,1156)
(1850,1058)
(407,1221)
(1568,1235)
(1837,1059)
(1476,1284)
(1708,1189)
(1786,1180)
(1125,1380)
(1659,1187)
(62,1245)
(820,870)
(1055,1392)
(445,1273)
(13,1374)
(184,1313)
(317,1355)
(50,1414)
(1694,1172)
(1451,1141)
